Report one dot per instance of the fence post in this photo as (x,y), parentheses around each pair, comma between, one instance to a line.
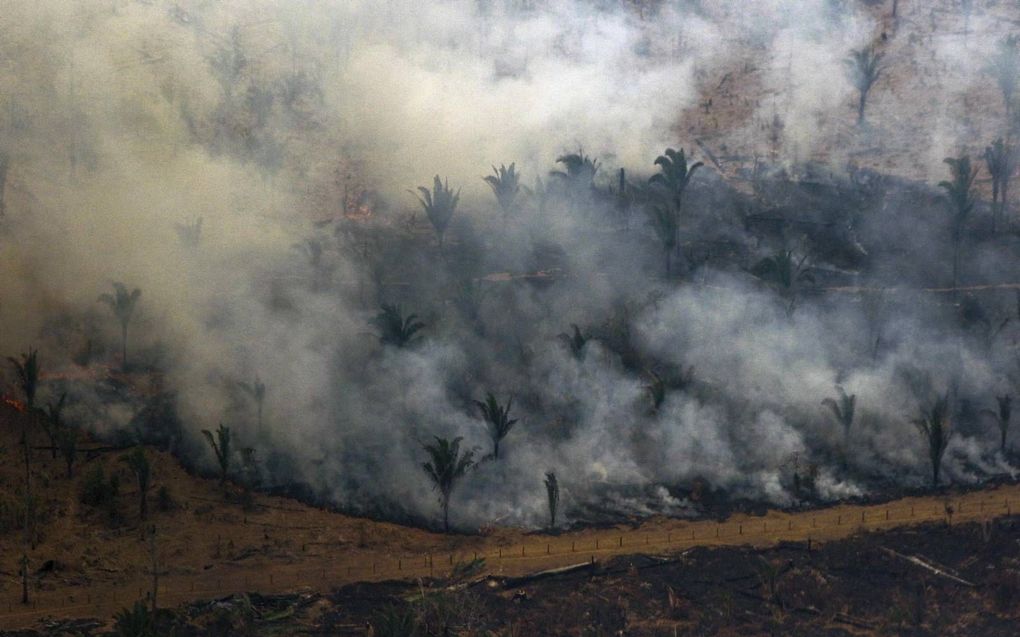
(621,541)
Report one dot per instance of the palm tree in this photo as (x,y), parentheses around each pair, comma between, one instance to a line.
(1002,418)
(786,273)
(54,422)
(67,441)
(27,372)
(394,329)
(936,427)
(579,176)
(656,389)
(664,223)
(446,466)
(506,185)
(864,68)
(962,198)
(843,410)
(139,466)
(498,419)
(999,158)
(672,180)
(552,490)
(439,205)
(122,304)
(1004,67)
(257,391)
(575,341)
(221,449)
(190,232)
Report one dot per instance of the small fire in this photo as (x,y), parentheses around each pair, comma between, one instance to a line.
(16,404)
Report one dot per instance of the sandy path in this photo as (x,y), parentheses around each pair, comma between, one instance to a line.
(505,552)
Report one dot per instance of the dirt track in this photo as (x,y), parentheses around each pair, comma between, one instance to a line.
(507,553)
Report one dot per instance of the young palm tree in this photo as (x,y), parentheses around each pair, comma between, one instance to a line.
(656,389)
(221,449)
(497,418)
(672,180)
(439,205)
(936,427)
(67,441)
(27,372)
(54,422)
(257,392)
(843,410)
(1002,418)
(664,223)
(579,176)
(122,304)
(575,341)
(447,465)
(506,185)
(864,68)
(139,466)
(786,273)
(396,330)
(552,491)
(999,158)
(960,191)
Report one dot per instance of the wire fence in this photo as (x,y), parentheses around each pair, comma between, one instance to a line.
(543,552)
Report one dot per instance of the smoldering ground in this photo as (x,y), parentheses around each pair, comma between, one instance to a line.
(293,132)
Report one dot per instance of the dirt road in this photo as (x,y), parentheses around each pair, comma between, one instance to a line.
(505,552)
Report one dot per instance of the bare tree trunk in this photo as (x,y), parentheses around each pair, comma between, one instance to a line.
(446,513)
(123,345)
(24,578)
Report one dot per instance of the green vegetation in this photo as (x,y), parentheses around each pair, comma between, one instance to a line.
(395,329)
(1002,417)
(936,427)
(26,372)
(671,183)
(999,159)
(220,445)
(552,492)
(843,409)
(864,68)
(99,492)
(960,191)
(506,186)
(439,205)
(575,341)
(138,463)
(447,465)
(122,303)
(498,419)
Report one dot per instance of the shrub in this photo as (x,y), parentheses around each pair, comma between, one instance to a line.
(99,492)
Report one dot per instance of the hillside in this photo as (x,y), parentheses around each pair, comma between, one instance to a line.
(89,564)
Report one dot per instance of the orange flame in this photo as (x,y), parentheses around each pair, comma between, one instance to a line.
(16,404)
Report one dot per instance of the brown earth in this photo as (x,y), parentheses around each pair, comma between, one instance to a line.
(208,546)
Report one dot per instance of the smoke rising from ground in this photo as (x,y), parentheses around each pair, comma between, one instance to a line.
(126,123)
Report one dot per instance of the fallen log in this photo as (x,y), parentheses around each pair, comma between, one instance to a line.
(942,572)
(513,582)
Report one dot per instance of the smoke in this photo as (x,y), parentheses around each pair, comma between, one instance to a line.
(270,120)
